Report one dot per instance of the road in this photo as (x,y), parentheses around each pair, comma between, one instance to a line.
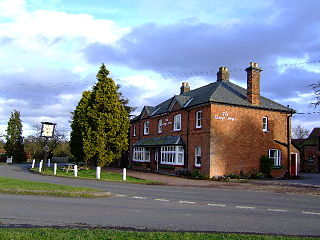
(163,208)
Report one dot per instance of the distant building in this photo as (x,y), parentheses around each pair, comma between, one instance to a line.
(310,151)
(217,129)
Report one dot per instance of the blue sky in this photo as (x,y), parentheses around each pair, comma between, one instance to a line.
(50,51)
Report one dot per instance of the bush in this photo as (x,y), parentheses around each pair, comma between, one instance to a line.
(197,175)
(265,165)
(183,172)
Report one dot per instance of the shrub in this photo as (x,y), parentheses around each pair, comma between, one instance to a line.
(183,172)
(197,175)
(265,165)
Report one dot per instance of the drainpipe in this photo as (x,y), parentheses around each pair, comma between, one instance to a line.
(289,140)
(187,145)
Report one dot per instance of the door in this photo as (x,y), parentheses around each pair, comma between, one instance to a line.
(318,164)
(294,164)
(157,157)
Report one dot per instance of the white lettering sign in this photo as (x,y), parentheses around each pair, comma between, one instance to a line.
(224,116)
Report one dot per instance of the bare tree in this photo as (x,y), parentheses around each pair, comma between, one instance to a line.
(298,132)
(316,88)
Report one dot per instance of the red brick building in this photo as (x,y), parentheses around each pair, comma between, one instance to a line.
(217,129)
(310,151)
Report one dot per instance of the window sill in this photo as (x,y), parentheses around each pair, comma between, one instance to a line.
(277,167)
(265,131)
(170,165)
(176,130)
(197,166)
(198,127)
(140,161)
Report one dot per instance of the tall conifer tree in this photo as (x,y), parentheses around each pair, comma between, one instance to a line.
(79,125)
(14,140)
(101,122)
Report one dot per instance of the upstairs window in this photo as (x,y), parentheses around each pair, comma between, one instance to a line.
(199,119)
(134,131)
(177,122)
(275,155)
(265,124)
(160,126)
(146,128)
(197,156)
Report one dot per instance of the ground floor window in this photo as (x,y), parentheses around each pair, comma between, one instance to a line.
(141,154)
(275,155)
(173,155)
(197,156)
(310,160)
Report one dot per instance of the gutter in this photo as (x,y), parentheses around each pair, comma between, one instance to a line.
(291,112)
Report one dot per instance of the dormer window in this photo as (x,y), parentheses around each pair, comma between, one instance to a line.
(146,128)
(177,122)
(265,124)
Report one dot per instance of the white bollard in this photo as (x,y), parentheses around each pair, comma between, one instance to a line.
(49,164)
(98,172)
(40,166)
(124,175)
(75,170)
(55,169)
(33,162)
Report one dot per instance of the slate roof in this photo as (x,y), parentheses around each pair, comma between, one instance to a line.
(160,141)
(313,137)
(223,92)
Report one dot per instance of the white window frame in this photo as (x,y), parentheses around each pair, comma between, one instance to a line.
(146,128)
(197,156)
(172,155)
(199,119)
(265,124)
(310,160)
(160,126)
(134,130)
(276,158)
(141,154)
(177,122)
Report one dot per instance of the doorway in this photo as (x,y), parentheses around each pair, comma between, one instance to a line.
(294,164)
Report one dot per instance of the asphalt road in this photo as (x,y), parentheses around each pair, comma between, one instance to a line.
(163,208)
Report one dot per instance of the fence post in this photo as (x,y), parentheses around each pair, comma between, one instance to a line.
(40,166)
(55,169)
(98,172)
(75,170)
(33,162)
(124,175)
(49,162)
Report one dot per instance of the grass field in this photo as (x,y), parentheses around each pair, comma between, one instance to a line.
(91,174)
(18,186)
(86,234)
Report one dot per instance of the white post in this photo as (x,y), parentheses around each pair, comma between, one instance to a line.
(98,172)
(124,175)
(33,162)
(75,170)
(55,169)
(49,164)
(40,166)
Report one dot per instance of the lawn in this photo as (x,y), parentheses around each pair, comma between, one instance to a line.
(52,233)
(91,174)
(18,186)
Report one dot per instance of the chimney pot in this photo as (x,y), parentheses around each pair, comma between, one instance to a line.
(184,88)
(223,74)
(253,83)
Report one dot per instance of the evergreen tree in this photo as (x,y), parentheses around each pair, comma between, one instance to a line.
(14,140)
(100,123)
(78,127)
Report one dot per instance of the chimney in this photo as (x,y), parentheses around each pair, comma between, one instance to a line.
(184,88)
(253,83)
(223,74)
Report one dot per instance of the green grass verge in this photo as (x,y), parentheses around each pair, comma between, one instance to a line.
(50,233)
(91,174)
(18,186)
